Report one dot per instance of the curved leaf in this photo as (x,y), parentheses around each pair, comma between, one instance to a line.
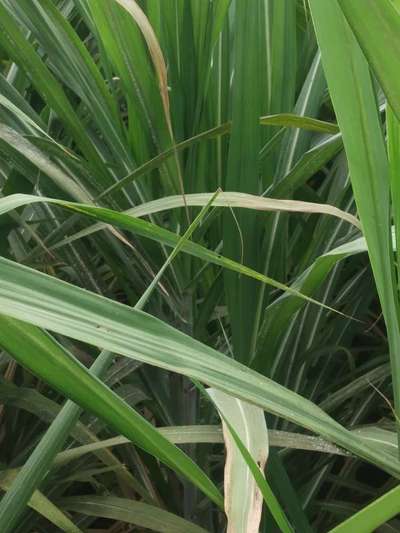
(47,302)
(37,351)
(131,512)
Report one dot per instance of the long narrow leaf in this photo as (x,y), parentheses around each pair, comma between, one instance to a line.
(42,355)
(377,28)
(71,311)
(353,97)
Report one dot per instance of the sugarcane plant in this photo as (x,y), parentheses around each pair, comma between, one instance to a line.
(199,281)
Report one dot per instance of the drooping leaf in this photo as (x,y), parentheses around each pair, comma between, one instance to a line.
(130,512)
(71,311)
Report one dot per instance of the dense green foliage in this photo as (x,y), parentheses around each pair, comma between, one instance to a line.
(199,192)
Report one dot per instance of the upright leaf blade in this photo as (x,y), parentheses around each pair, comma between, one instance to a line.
(377,28)
(243,498)
(353,98)
(242,173)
